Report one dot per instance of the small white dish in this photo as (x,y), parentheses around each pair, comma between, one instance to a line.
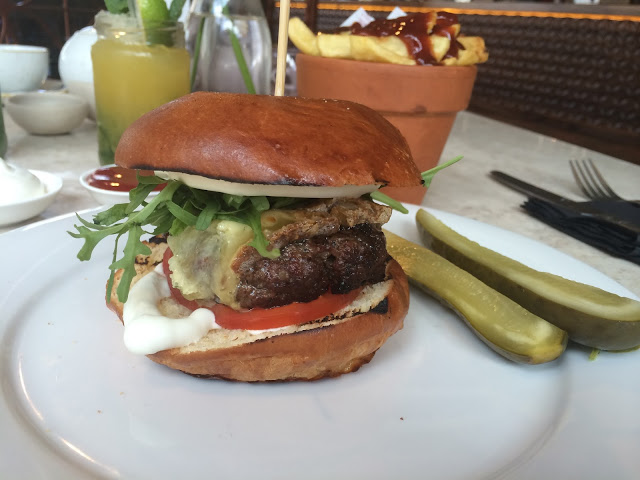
(23,68)
(50,85)
(102,195)
(47,113)
(19,211)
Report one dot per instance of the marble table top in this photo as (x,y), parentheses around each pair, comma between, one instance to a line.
(464,189)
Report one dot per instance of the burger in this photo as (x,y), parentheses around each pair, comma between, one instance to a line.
(263,258)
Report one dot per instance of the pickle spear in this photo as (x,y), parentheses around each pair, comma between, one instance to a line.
(591,316)
(502,324)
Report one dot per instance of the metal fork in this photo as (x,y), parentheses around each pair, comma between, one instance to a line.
(592,183)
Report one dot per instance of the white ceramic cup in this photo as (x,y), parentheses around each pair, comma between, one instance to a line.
(23,68)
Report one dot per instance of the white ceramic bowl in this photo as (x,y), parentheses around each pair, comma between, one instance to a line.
(47,113)
(26,209)
(104,196)
(23,68)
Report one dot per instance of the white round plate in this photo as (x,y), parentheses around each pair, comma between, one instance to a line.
(434,402)
(19,211)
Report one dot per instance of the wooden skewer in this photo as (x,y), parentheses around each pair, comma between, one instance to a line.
(283,41)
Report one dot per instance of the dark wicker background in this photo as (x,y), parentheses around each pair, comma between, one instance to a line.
(574,78)
(582,74)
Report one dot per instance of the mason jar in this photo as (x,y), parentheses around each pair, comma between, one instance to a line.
(230,45)
(134,71)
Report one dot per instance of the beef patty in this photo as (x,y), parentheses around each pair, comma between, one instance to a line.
(352,257)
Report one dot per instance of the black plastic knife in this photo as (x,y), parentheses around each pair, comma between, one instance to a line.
(619,213)
(531,190)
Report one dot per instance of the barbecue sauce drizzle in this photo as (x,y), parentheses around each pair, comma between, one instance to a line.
(413,31)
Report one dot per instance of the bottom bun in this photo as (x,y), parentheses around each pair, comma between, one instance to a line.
(328,349)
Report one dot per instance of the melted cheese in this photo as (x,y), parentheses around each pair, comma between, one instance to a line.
(201,262)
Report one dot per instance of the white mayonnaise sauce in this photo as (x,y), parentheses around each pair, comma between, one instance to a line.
(147,331)
(18,184)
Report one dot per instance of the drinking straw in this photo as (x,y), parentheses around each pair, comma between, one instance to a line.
(283,40)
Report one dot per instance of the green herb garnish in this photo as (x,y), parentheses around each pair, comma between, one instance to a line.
(175,10)
(117,6)
(154,16)
(175,208)
(427,177)
(387,200)
(122,6)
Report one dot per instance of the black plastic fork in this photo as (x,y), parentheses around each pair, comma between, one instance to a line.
(592,183)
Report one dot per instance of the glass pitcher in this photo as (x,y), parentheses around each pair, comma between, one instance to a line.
(230,46)
(3,134)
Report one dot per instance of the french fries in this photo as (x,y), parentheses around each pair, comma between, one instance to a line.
(334,46)
(305,39)
(371,49)
(474,52)
(386,49)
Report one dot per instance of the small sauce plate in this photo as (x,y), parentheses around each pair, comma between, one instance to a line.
(16,212)
(110,184)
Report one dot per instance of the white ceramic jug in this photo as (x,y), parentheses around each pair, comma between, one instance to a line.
(75,67)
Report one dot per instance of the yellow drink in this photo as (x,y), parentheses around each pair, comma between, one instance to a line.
(132,78)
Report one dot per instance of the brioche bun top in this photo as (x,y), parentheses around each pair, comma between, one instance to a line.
(262,139)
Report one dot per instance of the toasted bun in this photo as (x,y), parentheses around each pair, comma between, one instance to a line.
(309,352)
(262,139)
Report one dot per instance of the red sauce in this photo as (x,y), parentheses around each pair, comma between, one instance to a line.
(413,31)
(118,179)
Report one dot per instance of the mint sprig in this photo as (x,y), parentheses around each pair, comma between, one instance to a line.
(122,6)
(175,208)
(117,6)
(175,9)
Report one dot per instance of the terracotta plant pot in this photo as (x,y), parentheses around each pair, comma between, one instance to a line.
(421,101)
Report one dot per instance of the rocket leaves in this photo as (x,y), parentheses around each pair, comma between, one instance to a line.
(175,208)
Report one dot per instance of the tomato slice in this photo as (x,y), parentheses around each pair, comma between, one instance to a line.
(293,314)
(265,318)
